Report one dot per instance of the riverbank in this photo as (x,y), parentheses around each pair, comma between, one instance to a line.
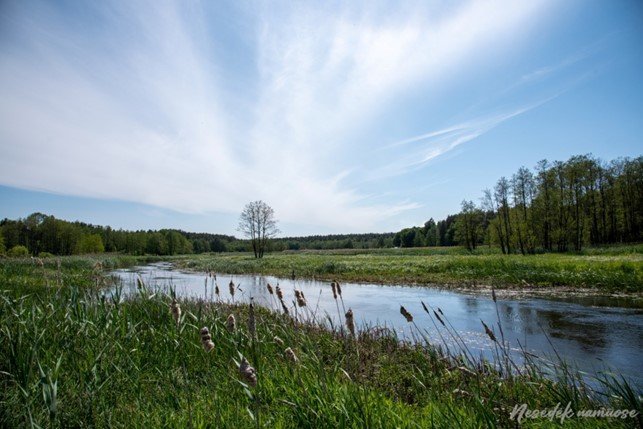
(600,273)
(70,356)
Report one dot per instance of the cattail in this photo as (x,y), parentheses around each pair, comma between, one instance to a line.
(284,307)
(176,311)
(339,288)
(424,307)
(248,373)
(489,332)
(231,286)
(278,341)
(206,339)
(216,289)
(280,294)
(291,356)
(269,287)
(334,287)
(493,294)
(301,299)
(252,325)
(406,314)
(439,318)
(231,323)
(350,323)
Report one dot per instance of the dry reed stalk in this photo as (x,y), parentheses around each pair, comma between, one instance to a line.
(231,323)
(284,307)
(406,314)
(206,339)
(248,373)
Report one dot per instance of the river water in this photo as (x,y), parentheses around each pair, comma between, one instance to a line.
(592,334)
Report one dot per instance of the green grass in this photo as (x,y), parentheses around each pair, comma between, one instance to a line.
(606,270)
(72,358)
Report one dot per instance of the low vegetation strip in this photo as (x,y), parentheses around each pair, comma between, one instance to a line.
(73,356)
(604,273)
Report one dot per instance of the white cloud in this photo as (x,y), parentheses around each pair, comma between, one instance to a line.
(143,113)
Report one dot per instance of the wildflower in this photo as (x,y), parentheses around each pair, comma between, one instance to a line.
(231,323)
(176,311)
(206,339)
(406,314)
(278,340)
(248,373)
(489,332)
(350,323)
(291,356)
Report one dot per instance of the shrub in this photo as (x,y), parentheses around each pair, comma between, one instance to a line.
(18,252)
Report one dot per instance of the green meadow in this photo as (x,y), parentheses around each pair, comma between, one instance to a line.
(72,355)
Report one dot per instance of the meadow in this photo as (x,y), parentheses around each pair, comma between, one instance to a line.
(609,269)
(72,355)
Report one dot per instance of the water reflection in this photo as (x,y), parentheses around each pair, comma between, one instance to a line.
(585,334)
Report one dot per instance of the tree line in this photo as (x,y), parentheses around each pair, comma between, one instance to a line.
(557,207)
(43,234)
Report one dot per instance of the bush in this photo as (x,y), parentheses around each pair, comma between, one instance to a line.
(45,255)
(18,252)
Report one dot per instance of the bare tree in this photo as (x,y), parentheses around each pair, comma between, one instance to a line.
(258,223)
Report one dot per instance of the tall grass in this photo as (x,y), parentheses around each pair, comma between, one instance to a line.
(72,355)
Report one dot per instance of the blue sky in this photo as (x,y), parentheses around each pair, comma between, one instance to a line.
(343,116)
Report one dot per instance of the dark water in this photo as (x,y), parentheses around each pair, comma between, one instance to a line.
(593,334)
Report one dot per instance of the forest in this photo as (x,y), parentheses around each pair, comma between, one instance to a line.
(557,207)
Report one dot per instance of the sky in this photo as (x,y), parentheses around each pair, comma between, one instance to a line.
(345,117)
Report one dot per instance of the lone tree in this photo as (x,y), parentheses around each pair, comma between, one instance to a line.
(258,223)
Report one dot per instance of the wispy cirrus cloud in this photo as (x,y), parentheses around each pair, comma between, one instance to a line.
(135,102)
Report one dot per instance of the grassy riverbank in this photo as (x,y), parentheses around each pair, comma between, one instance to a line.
(605,270)
(71,358)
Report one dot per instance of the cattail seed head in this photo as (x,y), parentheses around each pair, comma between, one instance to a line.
(339,288)
(278,341)
(406,314)
(334,288)
(206,339)
(252,325)
(291,356)
(248,373)
(216,289)
(439,318)
(269,287)
(284,307)
(489,332)
(280,294)
(231,287)
(231,323)
(350,323)
(176,311)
